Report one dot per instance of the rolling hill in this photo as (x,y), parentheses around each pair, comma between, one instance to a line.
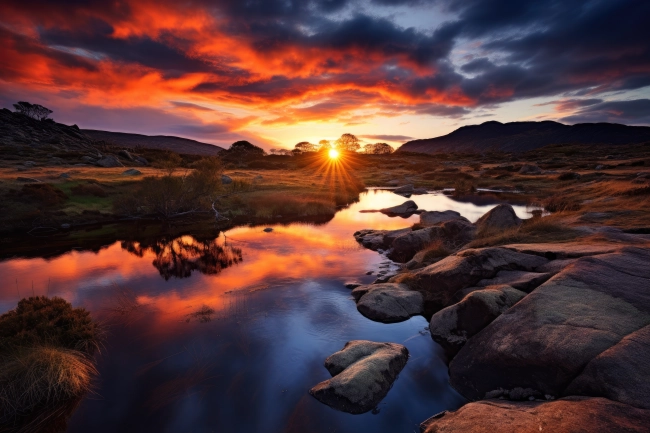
(524,136)
(163,142)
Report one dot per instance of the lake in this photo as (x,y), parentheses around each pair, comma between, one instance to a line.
(229,334)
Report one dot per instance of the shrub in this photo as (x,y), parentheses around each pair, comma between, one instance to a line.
(91,189)
(43,194)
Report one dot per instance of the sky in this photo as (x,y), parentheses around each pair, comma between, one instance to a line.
(277,72)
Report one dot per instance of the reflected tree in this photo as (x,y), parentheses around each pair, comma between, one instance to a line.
(179,257)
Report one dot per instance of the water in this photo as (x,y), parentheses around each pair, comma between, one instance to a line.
(228,335)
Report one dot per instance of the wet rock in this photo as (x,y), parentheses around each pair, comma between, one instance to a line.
(226,180)
(567,415)
(452,326)
(408,207)
(440,281)
(521,280)
(550,337)
(433,218)
(362,374)
(268,230)
(388,302)
(501,217)
(420,191)
(406,189)
(378,239)
(352,285)
(131,172)
(530,169)
(109,161)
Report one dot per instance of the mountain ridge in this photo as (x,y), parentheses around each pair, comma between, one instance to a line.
(161,142)
(524,136)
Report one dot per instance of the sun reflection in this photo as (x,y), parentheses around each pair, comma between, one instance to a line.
(333,153)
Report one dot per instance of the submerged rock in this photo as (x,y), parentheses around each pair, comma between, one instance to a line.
(568,335)
(451,327)
(567,415)
(388,302)
(502,217)
(362,374)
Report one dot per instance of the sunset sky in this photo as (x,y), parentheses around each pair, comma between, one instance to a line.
(276,72)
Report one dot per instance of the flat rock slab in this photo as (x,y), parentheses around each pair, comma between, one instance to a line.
(564,250)
(520,280)
(408,207)
(362,374)
(567,415)
(452,326)
(432,218)
(388,302)
(576,319)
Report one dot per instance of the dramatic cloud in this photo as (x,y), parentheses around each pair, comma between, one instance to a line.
(284,63)
(636,112)
(396,138)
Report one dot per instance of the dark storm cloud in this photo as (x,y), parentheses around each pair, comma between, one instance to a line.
(634,112)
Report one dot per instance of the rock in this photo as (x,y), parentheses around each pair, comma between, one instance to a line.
(440,281)
(352,285)
(620,373)
(420,191)
(88,159)
(549,338)
(388,302)
(406,189)
(268,230)
(378,239)
(64,175)
(501,217)
(555,266)
(125,154)
(408,207)
(226,180)
(27,179)
(140,160)
(564,250)
(393,182)
(131,172)
(109,161)
(453,325)
(65,226)
(362,374)
(450,234)
(521,280)
(530,169)
(29,163)
(567,415)
(433,218)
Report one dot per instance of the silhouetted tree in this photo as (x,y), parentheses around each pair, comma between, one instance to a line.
(324,144)
(305,146)
(378,149)
(35,111)
(348,142)
(241,152)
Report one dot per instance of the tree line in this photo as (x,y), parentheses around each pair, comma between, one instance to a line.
(346,142)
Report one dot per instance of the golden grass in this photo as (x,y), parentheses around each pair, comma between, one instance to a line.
(534,230)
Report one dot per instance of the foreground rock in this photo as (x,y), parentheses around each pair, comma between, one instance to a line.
(521,280)
(404,190)
(451,235)
(502,217)
(452,326)
(407,208)
(109,161)
(440,282)
(388,302)
(363,373)
(583,331)
(433,218)
(568,415)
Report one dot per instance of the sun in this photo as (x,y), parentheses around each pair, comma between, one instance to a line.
(333,153)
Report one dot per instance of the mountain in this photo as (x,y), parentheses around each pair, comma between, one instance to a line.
(163,142)
(523,136)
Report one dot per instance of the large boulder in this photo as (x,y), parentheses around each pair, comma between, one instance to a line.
(450,234)
(522,280)
(452,326)
(388,302)
(440,281)
(406,208)
(501,217)
(109,161)
(362,374)
(567,415)
(404,190)
(433,218)
(543,344)
(378,239)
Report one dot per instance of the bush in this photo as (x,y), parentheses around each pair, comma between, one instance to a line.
(42,194)
(91,189)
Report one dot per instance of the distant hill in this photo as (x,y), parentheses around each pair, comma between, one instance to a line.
(163,142)
(523,136)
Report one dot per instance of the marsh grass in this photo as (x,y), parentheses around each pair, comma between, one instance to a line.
(46,363)
(534,230)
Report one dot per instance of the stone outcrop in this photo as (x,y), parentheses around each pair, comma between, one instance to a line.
(567,415)
(566,335)
(362,374)
(388,302)
(433,218)
(501,217)
(521,280)
(109,161)
(404,190)
(530,169)
(451,234)
(452,326)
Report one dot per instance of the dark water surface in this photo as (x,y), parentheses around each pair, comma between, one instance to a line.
(228,335)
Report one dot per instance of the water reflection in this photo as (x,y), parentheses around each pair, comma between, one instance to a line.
(236,345)
(181,256)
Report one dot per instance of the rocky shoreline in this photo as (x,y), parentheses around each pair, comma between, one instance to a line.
(547,336)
